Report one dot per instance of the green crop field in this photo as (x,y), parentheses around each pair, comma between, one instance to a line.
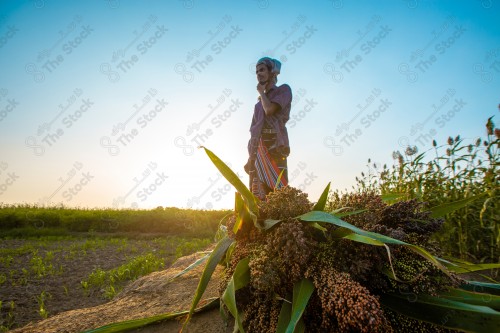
(57,259)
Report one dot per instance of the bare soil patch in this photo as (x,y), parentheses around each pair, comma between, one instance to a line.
(72,261)
(148,296)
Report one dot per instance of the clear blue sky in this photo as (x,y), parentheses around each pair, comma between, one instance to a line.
(103,103)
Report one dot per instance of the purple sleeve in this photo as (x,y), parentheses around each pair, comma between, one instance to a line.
(284,97)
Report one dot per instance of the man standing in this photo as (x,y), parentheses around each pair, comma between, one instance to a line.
(269,147)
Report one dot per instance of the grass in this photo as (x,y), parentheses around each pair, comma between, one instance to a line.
(7,320)
(460,169)
(110,282)
(25,220)
(41,299)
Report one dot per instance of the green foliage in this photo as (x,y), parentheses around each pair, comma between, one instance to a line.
(302,291)
(42,266)
(190,246)
(41,299)
(278,255)
(111,281)
(447,313)
(461,182)
(21,221)
(240,279)
(214,258)
(7,320)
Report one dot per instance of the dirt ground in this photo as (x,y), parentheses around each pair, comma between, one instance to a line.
(63,286)
(148,296)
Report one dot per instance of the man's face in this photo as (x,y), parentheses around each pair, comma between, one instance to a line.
(263,74)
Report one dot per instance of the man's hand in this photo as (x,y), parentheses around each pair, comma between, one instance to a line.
(261,88)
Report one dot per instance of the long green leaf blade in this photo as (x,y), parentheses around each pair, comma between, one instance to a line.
(444,312)
(363,239)
(302,291)
(284,317)
(190,267)
(354,212)
(243,214)
(317,216)
(127,325)
(231,177)
(269,223)
(442,210)
(482,287)
(279,179)
(213,260)
(492,301)
(465,267)
(240,278)
(320,205)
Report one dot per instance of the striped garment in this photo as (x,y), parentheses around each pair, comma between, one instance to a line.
(268,170)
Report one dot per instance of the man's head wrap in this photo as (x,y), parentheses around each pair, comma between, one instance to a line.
(273,65)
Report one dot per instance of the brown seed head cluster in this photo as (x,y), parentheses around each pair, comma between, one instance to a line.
(407,217)
(347,275)
(264,275)
(282,259)
(346,305)
(362,262)
(406,324)
(262,314)
(285,202)
(369,201)
(419,275)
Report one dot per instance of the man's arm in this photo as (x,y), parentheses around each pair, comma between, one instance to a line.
(270,108)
